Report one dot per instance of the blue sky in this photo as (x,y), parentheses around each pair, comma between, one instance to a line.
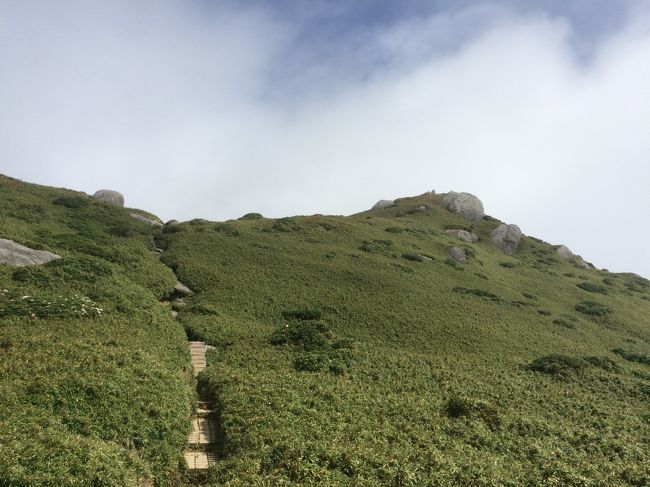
(215,109)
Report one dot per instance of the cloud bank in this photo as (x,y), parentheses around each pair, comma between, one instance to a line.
(193,111)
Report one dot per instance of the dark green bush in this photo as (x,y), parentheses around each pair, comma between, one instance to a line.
(413,257)
(226,229)
(633,356)
(71,201)
(309,362)
(477,292)
(308,335)
(561,366)
(508,265)
(544,312)
(286,225)
(394,230)
(529,295)
(376,246)
(593,308)
(460,407)
(592,287)
(563,322)
(251,216)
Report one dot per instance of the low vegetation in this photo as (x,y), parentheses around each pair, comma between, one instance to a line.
(337,361)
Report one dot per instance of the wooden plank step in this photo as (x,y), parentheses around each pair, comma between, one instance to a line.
(199,460)
(204,432)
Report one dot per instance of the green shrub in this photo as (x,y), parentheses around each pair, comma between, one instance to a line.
(286,225)
(413,257)
(376,246)
(633,356)
(226,229)
(563,322)
(592,287)
(394,230)
(460,407)
(529,295)
(71,201)
(47,306)
(561,366)
(508,265)
(251,216)
(309,362)
(593,308)
(544,312)
(477,292)
(308,335)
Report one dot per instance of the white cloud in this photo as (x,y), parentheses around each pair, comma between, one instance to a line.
(175,109)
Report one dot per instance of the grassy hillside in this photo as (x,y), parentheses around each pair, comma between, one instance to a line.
(344,356)
(93,371)
(349,351)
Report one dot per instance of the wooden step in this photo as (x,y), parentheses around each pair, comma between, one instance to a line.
(199,460)
(204,432)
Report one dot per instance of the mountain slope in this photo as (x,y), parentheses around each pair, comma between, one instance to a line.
(419,372)
(348,351)
(92,388)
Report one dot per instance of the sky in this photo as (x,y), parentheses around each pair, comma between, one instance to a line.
(203,109)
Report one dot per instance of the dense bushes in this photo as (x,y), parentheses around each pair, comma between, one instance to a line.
(593,308)
(592,287)
(316,347)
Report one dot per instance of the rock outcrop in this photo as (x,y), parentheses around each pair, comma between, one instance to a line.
(144,219)
(464,204)
(383,204)
(14,254)
(110,197)
(507,238)
(565,253)
(463,235)
(458,254)
(181,288)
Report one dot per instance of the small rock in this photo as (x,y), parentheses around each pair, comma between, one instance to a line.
(432,192)
(458,254)
(144,219)
(426,259)
(14,254)
(181,288)
(463,235)
(565,253)
(507,238)
(464,204)
(421,208)
(172,223)
(174,314)
(383,204)
(109,197)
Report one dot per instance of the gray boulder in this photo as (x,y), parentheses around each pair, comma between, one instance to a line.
(565,253)
(172,223)
(463,235)
(110,197)
(181,288)
(14,254)
(144,219)
(507,238)
(383,204)
(458,254)
(464,204)
(421,208)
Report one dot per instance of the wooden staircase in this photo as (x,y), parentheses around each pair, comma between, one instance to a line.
(202,441)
